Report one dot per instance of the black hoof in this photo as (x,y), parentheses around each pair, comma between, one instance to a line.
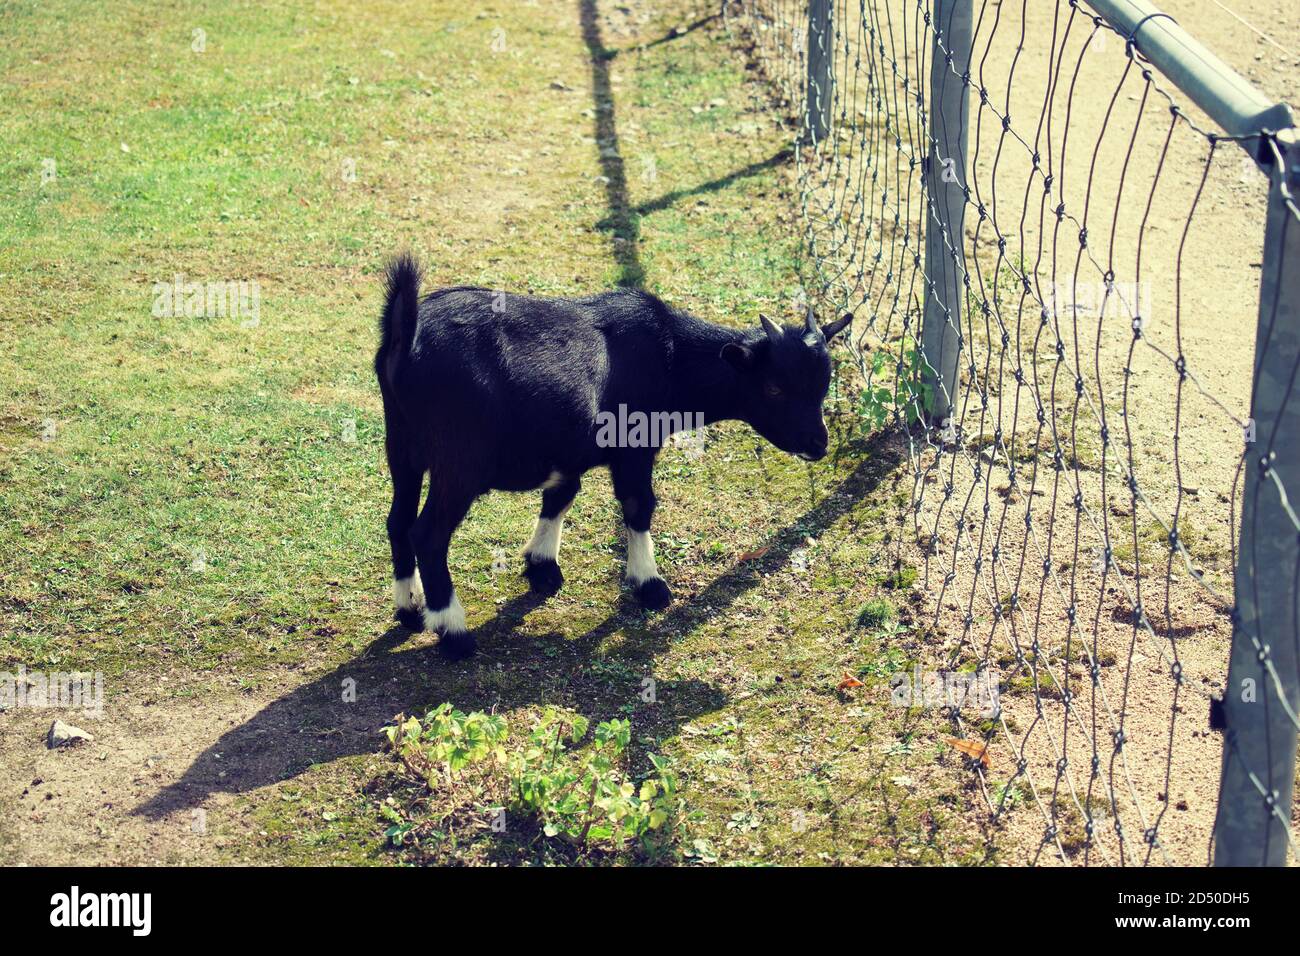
(457,646)
(654,594)
(411,618)
(543,575)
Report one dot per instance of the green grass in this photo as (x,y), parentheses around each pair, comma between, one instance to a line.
(199,512)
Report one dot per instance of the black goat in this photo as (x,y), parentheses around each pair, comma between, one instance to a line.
(485,390)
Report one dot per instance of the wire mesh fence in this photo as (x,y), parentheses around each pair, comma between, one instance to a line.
(1056,267)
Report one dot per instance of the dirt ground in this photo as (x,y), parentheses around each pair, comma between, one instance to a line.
(79,807)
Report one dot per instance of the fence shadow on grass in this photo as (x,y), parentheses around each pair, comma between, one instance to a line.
(622,220)
(779,158)
(667,37)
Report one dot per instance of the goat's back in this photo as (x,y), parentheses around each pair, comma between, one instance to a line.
(513,384)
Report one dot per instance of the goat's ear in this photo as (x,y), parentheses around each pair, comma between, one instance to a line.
(833,329)
(737,356)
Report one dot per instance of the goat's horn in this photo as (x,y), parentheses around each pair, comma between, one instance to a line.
(771,328)
(811,321)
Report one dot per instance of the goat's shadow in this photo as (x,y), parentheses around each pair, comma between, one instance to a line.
(340,713)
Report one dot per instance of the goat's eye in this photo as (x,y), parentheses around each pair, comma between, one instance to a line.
(771,390)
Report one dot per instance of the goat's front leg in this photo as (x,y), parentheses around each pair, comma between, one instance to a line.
(432,537)
(632,487)
(541,555)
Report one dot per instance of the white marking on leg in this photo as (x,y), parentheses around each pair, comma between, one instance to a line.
(449,620)
(545,543)
(408,593)
(641,565)
(553,481)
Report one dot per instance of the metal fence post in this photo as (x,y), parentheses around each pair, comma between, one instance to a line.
(821,60)
(1259,750)
(945,177)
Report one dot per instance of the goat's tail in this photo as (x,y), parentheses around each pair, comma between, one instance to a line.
(401,310)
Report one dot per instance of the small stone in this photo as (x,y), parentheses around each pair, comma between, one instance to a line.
(66,735)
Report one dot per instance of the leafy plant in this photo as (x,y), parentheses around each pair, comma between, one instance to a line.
(579,795)
(583,796)
(701,851)
(876,403)
(1007,795)
(909,394)
(448,742)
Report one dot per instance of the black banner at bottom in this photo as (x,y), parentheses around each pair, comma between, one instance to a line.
(333,906)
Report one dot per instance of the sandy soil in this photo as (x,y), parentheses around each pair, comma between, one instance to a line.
(163,778)
(78,806)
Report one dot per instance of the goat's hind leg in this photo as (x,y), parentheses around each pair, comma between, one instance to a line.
(541,555)
(442,613)
(408,594)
